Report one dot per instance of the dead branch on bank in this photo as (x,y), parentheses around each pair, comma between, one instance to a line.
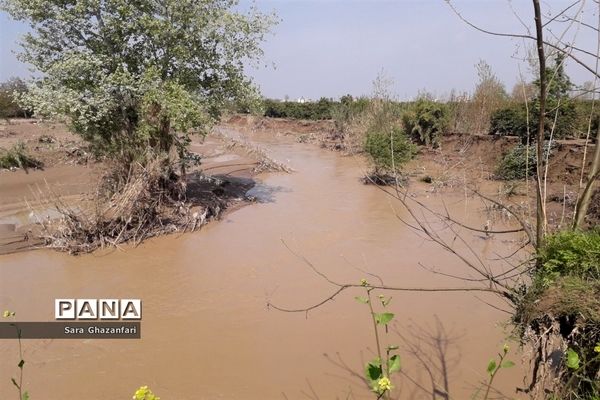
(265,162)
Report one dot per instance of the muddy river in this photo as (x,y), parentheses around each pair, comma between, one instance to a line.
(206,330)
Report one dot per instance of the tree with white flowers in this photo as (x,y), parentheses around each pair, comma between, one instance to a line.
(135,77)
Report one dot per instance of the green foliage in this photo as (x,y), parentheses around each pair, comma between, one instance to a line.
(583,111)
(561,115)
(520,162)
(558,83)
(347,110)
(511,120)
(426,121)
(16,157)
(394,364)
(559,107)
(373,370)
(570,253)
(565,289)
(517,163)
(378,372)
(132,76)
(9,107)
(318,110)
(492,369)
(383,318)
(583,367)
(572,359)
(389,151)
(18,384)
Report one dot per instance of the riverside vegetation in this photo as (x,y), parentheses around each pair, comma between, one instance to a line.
(136,108)
(555,297)
(134,105)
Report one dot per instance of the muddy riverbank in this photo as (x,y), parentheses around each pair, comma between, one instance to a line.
(206,330)
(70,172)
(463,159)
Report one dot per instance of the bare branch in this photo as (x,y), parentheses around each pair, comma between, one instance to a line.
(522,36)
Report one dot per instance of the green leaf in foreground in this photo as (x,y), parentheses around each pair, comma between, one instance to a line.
(508,364)
(491,367)
(373,370)
(394,364)
(384,318)
(362,299)
(572,359)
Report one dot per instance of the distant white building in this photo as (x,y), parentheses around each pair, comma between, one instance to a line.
(301,100)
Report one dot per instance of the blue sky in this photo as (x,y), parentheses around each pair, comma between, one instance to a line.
(333,47)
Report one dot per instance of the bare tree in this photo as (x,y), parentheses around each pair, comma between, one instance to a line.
(579,56)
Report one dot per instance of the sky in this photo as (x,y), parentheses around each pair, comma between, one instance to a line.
(329,48)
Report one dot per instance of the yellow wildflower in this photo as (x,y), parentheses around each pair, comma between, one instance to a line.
(7,314)
(505,348)
(384,384)
(597,348)
(143,393)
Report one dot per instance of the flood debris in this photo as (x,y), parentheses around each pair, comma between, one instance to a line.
(147,202)
(265,162)
(382,179)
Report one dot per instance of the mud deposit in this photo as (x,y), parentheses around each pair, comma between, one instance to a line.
(206,330)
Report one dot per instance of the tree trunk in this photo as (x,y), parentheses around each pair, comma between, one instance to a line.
(540,198)
(583,204)
(165,136)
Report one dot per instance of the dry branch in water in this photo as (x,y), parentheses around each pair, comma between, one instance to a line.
(341,287)
(265,162)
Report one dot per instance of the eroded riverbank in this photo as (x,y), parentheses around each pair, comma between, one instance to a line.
(206,331)
(71,177)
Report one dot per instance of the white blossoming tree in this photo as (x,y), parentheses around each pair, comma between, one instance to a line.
(135,77)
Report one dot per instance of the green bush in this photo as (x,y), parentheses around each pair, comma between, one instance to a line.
(516,165)
(510,121)
(341,112)
(290,109)
(565,290)
(566,119)
(348,108)
(560,116)
(385,156)
(16,157)
(570,253)
(583,110)
(426,121)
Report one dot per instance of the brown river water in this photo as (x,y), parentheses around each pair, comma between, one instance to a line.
(206,330)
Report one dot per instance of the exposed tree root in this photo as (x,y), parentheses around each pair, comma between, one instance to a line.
(566,316)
